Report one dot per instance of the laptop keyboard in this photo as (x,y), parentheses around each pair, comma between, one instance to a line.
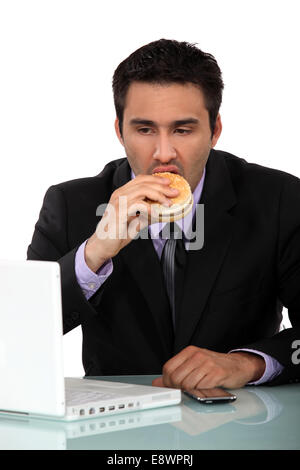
(79,397)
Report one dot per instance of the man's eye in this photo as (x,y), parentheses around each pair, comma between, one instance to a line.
(182,131)
(145,130)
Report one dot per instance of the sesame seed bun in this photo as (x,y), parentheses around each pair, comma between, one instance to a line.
(181,204)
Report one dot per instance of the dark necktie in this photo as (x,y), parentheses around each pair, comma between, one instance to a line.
(172,260)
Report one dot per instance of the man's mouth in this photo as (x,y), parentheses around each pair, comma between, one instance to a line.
(162,169)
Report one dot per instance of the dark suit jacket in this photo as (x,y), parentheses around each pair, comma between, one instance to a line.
(234,287)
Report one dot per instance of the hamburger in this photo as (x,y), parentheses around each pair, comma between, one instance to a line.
(181,204)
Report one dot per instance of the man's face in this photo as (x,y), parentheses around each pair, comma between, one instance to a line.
(166,128)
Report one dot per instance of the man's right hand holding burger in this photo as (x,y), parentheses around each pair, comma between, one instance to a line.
(121,212)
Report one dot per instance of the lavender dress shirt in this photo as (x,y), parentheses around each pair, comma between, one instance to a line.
(90,282)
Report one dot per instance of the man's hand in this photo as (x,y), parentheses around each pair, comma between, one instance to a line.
(199,368)
(127,213)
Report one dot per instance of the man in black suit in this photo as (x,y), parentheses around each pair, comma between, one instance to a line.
(229,292)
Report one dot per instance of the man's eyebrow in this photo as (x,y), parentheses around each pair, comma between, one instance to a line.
(182,122)
(179,122)
(145,122)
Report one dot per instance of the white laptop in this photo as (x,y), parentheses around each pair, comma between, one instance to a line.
(31,354)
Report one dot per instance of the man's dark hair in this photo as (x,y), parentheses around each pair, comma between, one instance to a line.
(169,61)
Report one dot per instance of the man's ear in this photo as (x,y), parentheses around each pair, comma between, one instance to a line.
(217,131)
(117,129)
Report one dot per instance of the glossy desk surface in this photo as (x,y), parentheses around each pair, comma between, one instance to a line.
(261,418)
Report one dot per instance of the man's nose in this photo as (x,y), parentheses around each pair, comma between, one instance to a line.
(164,150)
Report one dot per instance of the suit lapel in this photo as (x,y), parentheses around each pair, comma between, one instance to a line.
(203,265)
(143,263)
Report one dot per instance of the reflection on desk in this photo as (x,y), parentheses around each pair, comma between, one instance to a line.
(251,403)
(35,433)
(261,418)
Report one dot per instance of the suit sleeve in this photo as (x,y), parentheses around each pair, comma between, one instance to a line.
(50,243)
(281,346)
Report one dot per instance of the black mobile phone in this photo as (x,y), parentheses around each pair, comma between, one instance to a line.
(210,395)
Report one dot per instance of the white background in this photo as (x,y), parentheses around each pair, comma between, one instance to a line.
(56,107)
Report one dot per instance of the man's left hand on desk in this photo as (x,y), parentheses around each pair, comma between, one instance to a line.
(195,367)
